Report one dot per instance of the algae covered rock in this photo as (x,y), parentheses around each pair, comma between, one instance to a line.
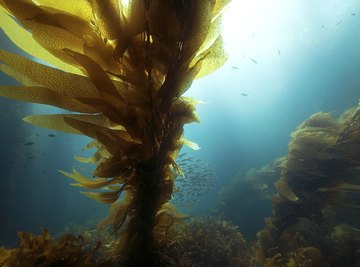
(210,241)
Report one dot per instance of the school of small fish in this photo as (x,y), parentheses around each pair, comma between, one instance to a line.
(198,179)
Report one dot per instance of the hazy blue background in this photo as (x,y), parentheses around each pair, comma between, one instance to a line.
(308,60)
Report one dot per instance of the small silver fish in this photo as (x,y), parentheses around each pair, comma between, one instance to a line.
(253,60)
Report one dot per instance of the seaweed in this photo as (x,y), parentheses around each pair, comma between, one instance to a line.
(42,250)
(316,208)
(122,67)
(209,241)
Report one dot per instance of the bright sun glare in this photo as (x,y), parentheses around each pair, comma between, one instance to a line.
(250,27)
(246,19)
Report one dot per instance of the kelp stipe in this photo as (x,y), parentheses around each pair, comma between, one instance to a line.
(122,66)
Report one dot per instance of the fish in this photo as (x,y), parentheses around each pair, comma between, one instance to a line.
(353,14)
(235,68)
(198,179)
(51,135)
(339,22)
(253,60)
(243,94)
(44,171)
(4,115)
(279,52)
(29,144)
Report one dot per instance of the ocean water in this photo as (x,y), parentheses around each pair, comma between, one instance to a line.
(287,61)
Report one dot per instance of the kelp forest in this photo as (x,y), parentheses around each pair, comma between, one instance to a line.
(119,70)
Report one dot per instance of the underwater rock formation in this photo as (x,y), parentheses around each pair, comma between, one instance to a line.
(122,67)
(317,205)
(251,189)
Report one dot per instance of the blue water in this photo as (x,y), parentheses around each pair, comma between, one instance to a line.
(298,59)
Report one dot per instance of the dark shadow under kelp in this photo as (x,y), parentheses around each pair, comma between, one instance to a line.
(123,67)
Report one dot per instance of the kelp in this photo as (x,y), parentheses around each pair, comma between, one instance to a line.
(122,66)
(318,193)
